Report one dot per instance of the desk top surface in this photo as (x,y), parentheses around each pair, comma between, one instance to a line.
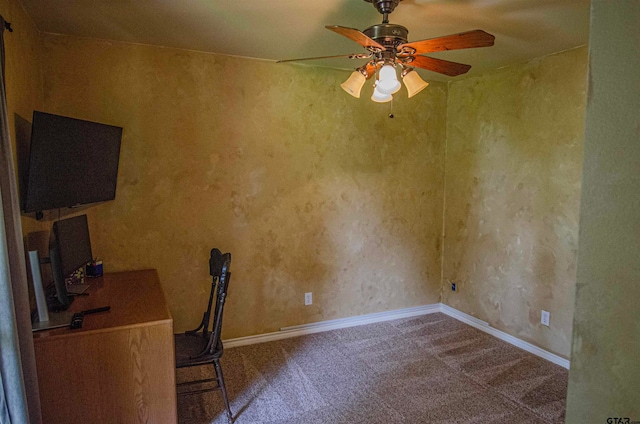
(136,299)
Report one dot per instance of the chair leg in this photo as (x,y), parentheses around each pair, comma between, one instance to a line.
(223,389)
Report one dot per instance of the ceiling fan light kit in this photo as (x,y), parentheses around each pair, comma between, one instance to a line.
(413,82)
(380,97)
(354,84)
(388,48)
(388,81)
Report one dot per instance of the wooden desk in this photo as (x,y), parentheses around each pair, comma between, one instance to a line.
(120,366)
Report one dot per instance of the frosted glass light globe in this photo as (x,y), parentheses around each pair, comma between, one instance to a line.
(414,83)
(380,97)
(388,82)
(354,84)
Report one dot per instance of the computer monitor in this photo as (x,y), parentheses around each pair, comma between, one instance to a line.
(73,242)
(69,251)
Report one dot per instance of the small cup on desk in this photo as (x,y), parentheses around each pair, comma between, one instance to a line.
(94,269)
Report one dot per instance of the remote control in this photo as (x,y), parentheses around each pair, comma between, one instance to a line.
(76,320)
(78,317)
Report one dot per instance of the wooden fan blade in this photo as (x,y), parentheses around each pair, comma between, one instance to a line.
(350,56)
(440,66)
(355,35)
(464,40)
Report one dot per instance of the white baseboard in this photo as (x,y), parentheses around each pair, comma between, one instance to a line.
(317,327)
(484,326)
(300,330)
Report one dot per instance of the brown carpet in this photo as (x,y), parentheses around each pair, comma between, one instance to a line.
(427,369)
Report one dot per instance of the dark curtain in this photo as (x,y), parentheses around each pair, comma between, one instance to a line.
(19,402)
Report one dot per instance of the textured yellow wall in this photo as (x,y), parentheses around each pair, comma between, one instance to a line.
(23,82)
(604,381)
(309,188)
(513,172)
(22,64)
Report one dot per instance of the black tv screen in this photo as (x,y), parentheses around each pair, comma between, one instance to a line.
(73,243)
(71,162)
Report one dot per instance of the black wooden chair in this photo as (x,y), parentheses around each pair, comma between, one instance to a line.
(201,346)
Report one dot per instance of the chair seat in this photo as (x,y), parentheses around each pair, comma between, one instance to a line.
(189,345)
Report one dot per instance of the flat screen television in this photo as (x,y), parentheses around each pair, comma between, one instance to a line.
(71,162)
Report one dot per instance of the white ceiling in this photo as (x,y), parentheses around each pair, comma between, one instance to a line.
(287,29)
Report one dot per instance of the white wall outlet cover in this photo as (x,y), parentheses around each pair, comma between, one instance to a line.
(544,318)
(308,298)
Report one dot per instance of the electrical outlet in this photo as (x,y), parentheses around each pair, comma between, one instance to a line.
(454,286)
(308,298)
(544,318)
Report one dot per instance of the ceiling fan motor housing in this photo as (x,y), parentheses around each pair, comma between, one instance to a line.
(389,35)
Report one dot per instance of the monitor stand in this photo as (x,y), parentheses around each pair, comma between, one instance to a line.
(56,320)
(54,305)
(38,287)
(47,300)
(61,297)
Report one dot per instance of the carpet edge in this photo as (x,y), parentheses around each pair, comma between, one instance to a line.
(317,327)
(486,327)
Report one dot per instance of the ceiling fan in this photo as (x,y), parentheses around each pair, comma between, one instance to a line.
(388,48)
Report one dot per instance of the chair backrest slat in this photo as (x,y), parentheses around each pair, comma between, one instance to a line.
(215,267)
(219,265)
